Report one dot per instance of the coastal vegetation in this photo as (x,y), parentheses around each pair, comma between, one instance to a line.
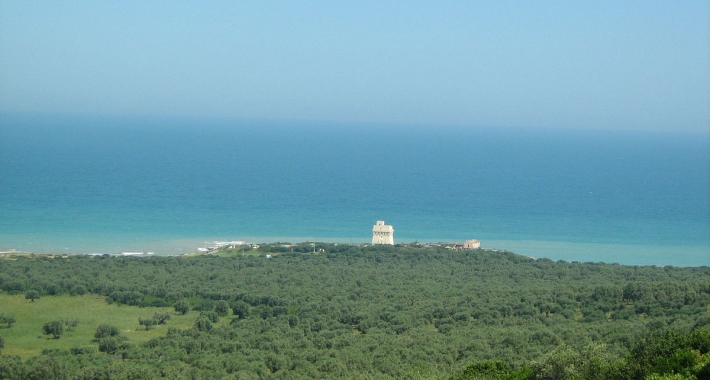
(347,311)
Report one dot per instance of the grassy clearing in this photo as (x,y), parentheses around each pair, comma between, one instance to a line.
(25,338)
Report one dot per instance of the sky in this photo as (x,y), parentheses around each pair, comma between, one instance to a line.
(639,65)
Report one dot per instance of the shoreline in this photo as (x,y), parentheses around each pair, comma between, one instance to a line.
(610,253)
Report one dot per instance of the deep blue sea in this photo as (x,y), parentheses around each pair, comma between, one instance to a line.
(107,185)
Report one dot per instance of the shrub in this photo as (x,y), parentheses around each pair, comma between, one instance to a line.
(86,350)
(204,305)
(71,324)
(147,322)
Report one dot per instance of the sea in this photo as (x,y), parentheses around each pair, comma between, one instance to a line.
(96,185)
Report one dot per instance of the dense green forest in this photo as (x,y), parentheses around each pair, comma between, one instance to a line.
(377,312)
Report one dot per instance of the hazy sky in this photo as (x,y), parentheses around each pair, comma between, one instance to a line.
(566,64)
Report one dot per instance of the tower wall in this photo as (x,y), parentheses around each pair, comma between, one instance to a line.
(382,233)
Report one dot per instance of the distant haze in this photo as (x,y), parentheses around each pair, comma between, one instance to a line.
(609,65)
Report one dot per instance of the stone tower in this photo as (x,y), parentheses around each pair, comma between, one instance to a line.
(382,233)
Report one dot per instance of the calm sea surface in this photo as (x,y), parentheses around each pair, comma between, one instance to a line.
(108,185)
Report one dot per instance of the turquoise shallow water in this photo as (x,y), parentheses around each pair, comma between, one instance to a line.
(627,254)
(112,185)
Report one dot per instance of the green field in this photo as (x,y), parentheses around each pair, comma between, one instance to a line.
(25,338)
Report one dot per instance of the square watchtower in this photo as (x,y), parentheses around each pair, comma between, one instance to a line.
(382,233)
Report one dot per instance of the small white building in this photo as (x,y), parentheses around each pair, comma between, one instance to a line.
(382,233)
(471,244)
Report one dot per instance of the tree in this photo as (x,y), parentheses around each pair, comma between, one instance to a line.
(105,331)
(161,318)
(78,290)
(108,345)
(211,315)
(11,367)
(221,307)
(560,364)
(9,319)
(670,352)
(47,367)
(53,289)
(486,369)
(182,307)
(240,309)
(598,363)
(32,295)
(147,322)
(203,324)
(54,328)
